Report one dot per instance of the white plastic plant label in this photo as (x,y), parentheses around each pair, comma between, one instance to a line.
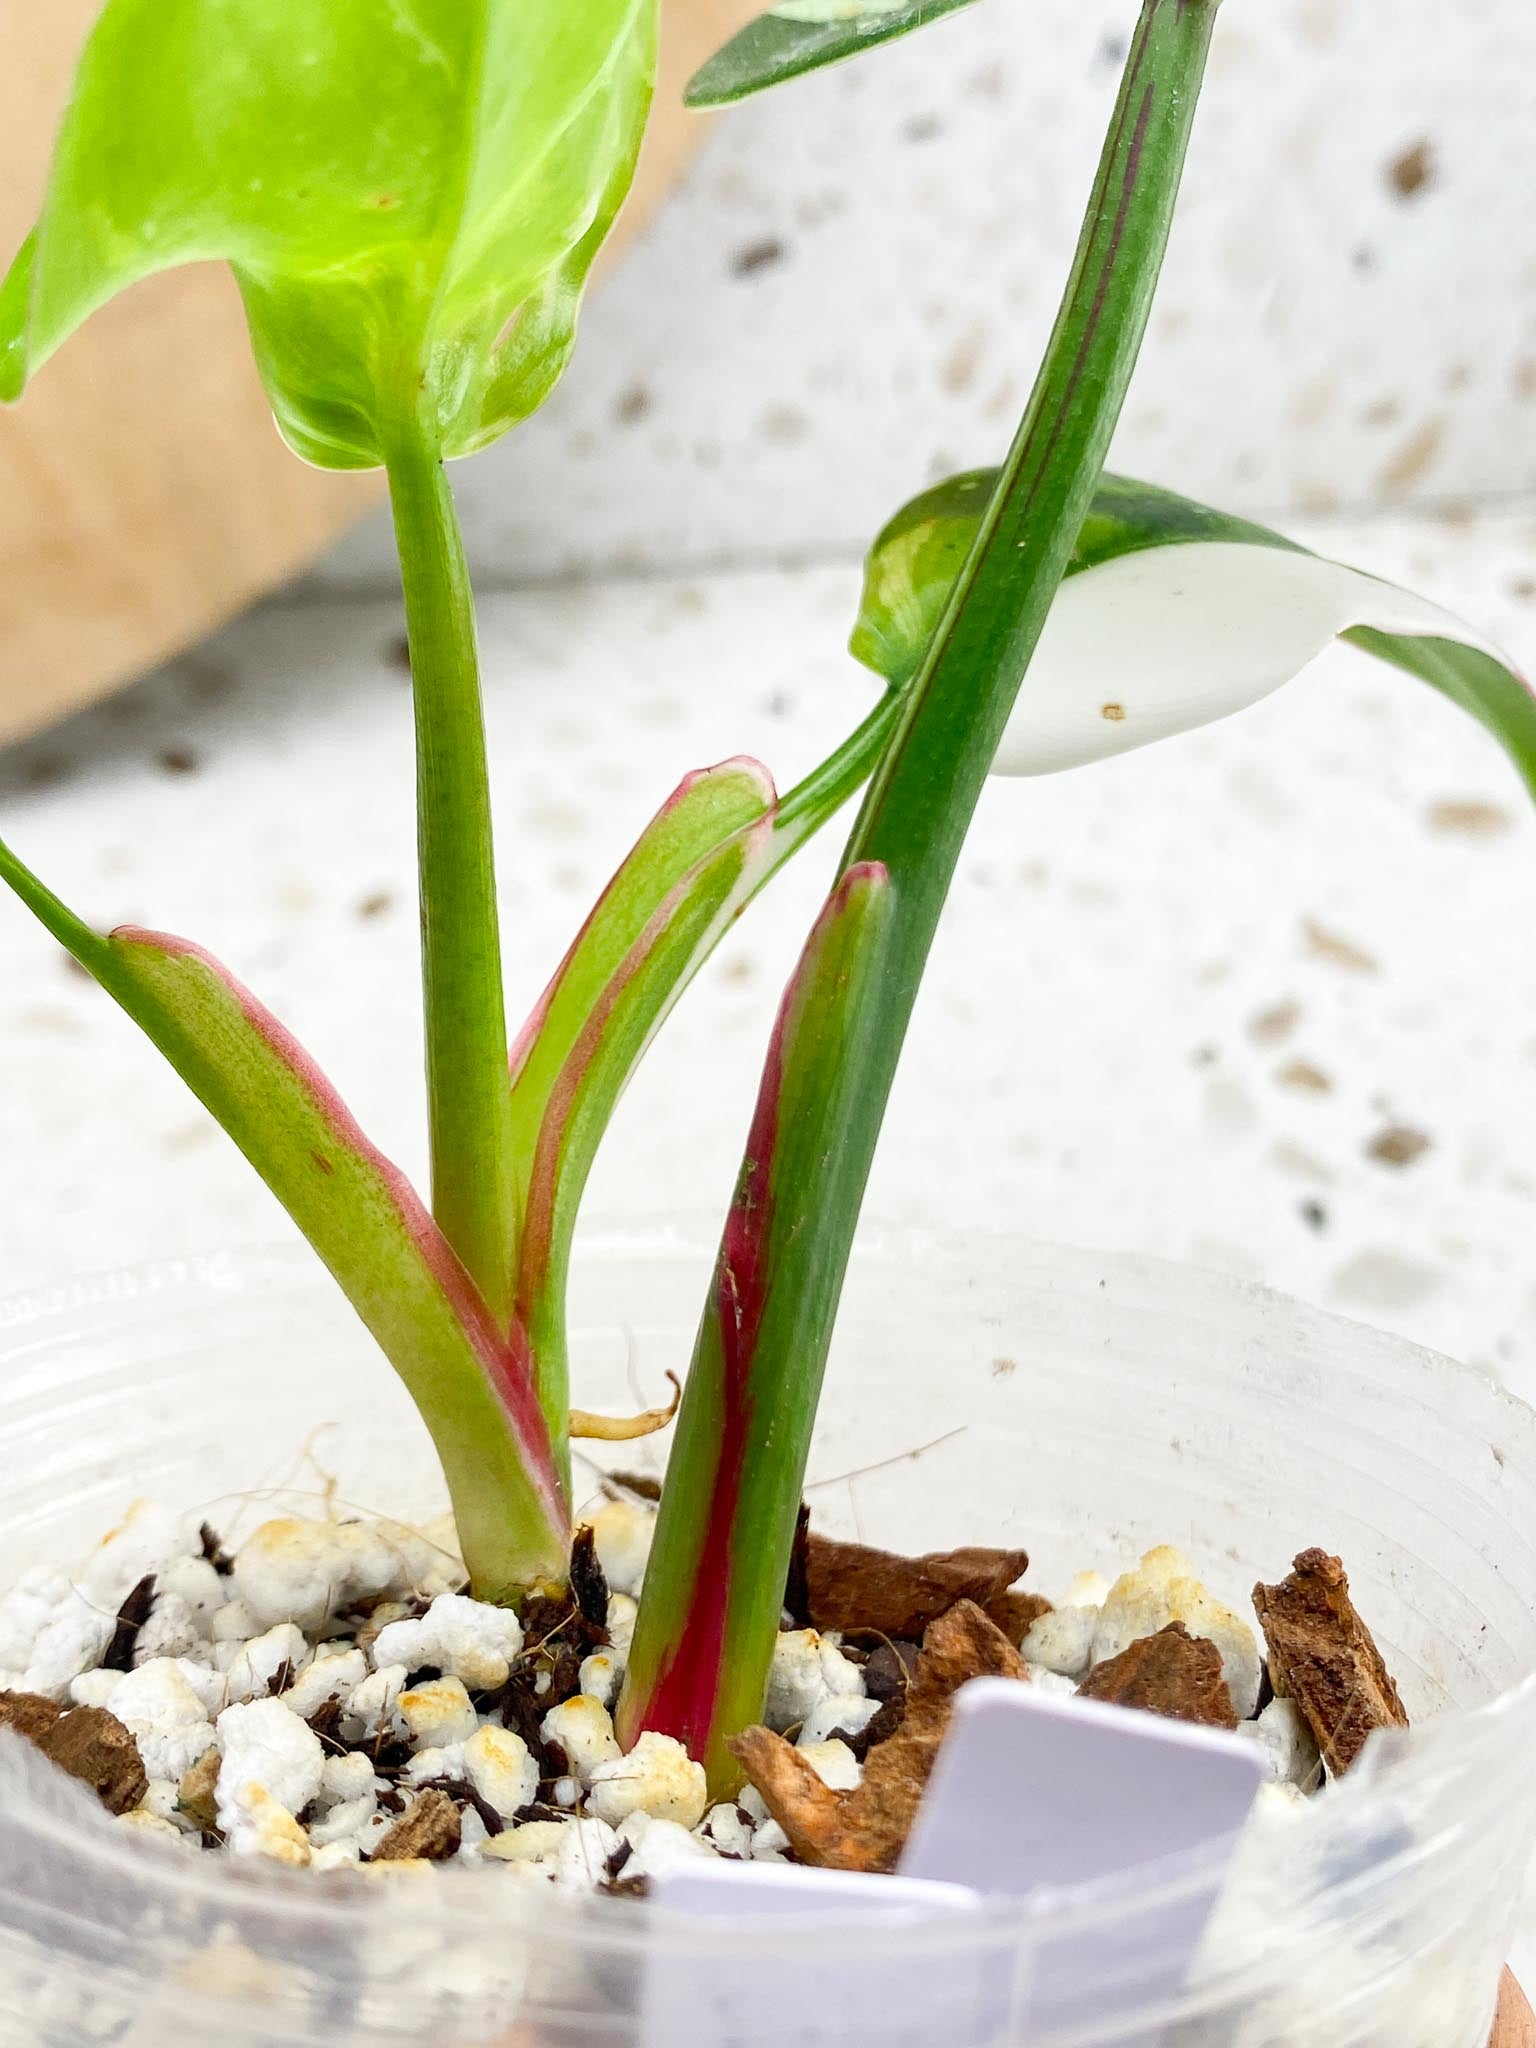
(1035,1793)
(914,1974)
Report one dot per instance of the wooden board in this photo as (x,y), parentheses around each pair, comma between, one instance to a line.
(1515,2026)
(144,494)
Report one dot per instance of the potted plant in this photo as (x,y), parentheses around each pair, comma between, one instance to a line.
(410,199)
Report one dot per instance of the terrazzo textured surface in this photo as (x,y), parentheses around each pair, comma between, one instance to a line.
(849,295)
(1263,998)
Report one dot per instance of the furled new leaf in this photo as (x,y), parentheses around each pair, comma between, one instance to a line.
(1171,615)
(718,839)
(410,195)
(805,35)
(366,1222)
(740,1453)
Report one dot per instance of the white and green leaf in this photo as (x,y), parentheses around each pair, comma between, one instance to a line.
(799,36)
(1171,615)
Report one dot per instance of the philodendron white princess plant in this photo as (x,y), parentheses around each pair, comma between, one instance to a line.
(410,196)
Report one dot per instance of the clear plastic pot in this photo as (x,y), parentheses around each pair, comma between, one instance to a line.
(981,1391)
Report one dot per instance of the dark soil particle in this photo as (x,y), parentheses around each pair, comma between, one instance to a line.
(131,1617)
(888,1669)
(589,1583)
(641,1484)
(521,1709)
(214,1551)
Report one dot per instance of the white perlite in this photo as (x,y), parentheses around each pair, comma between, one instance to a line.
(462,1638)
(502,1769)
(584,1730)
(270,1757)
(657,1777)
(225,1685)
(166,1707)
(302,1571)
(807,1670)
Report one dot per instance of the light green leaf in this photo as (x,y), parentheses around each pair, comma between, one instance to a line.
(805,35)
(1171,615)
(410,193)
(367,1223)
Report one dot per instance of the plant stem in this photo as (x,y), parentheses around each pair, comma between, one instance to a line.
(469,1109)
(727,1520)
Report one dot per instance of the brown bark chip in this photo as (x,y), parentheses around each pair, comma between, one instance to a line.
(852,1586)
(866,1829)
(429,1829)
(1172,1673)
(1321,1655)
(197,1794)
(94,1746)
(28,1713)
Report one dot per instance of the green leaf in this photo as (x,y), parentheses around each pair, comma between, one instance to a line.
(410,193)
(714,1583)
(1172,614)
(777,1291)
(367,1223)
(805,35)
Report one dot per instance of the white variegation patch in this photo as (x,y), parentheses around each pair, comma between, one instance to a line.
(837,10)
(1159,642)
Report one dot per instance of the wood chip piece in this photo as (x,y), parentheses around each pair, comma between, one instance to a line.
(197,1794)
(853,1586)
(1171,1673)
(94,1746)
(28,1713)
(1515,2026)
(427,1832)
(1321,1654)
(867,1829)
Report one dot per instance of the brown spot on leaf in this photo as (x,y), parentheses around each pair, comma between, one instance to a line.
(1322,1656)
(1468,816)
(326,1166)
